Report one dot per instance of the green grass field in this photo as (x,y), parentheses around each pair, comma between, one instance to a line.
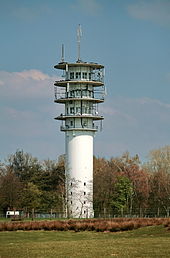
(144,242)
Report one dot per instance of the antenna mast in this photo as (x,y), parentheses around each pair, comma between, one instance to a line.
(79,35)
(62,53)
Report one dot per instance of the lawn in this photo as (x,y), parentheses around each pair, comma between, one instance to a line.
(144,242)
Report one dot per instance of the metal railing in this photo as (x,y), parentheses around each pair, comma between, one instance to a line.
(67,127)
(79,114)
(62,94)
(95,75)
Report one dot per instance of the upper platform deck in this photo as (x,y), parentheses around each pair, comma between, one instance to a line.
(64,65)
(64,83)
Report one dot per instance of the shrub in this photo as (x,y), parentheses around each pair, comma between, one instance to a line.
(99,225)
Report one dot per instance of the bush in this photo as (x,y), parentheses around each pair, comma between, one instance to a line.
(98,225)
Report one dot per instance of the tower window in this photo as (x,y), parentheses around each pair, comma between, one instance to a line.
(84,93)
(84,75)
(78,109)
(84,212)
(71,202)
(89,76)
(84,202)
(84,183)
(72,75)
(71,123)
(84,193)
(72,94)
(86,110)
(71,193)
(78,93)
(84,124)
(78,75)
(72,110)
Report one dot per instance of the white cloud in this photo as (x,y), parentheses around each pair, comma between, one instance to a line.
(27,112)
(156,102)
(33,74)
(156,11)
(26,84)
(91,7)
(107,110)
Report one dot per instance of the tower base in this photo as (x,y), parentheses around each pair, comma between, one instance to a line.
(79,174)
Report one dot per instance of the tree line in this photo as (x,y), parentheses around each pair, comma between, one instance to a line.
(123,186)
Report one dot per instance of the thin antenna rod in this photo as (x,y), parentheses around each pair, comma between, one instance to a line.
(79,35)
(62,53)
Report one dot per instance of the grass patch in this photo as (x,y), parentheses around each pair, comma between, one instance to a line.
(145,242)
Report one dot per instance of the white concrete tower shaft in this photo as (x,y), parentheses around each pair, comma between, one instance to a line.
(80,91)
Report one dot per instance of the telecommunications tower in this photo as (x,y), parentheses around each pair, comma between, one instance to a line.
(81,89)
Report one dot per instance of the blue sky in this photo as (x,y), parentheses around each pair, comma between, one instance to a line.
(131,38)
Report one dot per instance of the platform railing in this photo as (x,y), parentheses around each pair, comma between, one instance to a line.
(67,127)
(82,95)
